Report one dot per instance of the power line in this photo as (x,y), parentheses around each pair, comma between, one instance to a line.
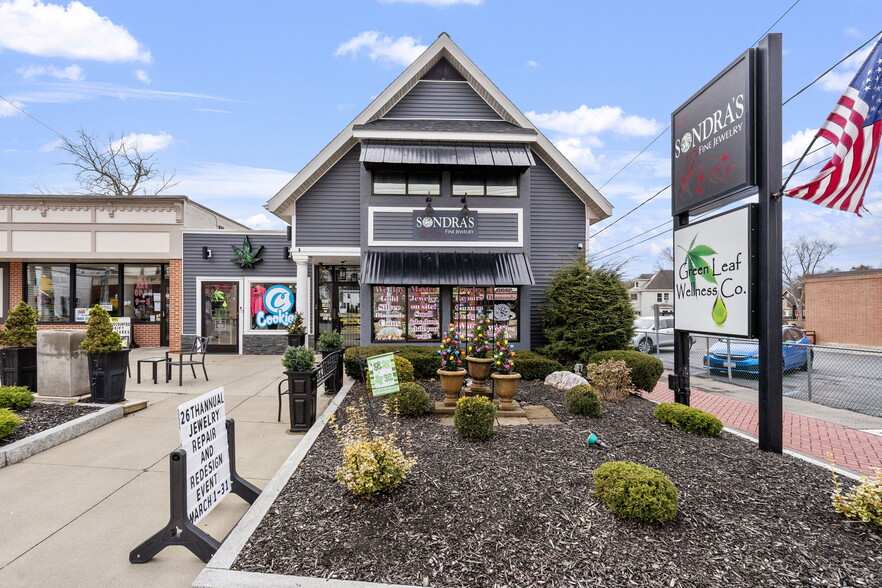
(642,151)
(629,212)
(27,114)
(776,22)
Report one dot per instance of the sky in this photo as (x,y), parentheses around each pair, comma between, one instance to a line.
(235,98)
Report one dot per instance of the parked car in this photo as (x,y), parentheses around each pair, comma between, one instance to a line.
(647,338)
(742,356)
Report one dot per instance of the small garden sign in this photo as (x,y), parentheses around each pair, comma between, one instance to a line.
(383,375)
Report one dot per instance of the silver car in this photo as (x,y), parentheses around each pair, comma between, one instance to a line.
(648,338)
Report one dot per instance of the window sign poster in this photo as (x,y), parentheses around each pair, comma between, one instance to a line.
(123,326)
(383,375)
(423,305)
(389,313)
(713,274)
(81,315)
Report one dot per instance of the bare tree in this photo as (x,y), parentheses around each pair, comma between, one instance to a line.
(802,258)
(665,259)
(114,168)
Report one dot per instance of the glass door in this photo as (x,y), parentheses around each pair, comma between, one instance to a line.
(349,313)
(338,302)
(220,316)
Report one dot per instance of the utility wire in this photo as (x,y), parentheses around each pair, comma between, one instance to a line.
(27,114)
(630,211)
(776,22)
(642,151)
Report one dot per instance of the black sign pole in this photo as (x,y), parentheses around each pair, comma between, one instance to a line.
(768,159)
(680,382)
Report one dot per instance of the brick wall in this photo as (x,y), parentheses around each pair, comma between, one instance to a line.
(845,308)
(15,282)
(176,303)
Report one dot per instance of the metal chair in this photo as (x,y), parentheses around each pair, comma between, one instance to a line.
(200,346)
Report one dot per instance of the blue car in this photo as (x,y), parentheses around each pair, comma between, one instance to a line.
(743,355)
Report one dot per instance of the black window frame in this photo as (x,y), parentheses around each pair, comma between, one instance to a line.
(491,304)
(120,309)
(407,340)
(407,182)
(485,175)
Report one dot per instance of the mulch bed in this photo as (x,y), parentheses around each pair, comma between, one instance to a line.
(519,511)
(42,416)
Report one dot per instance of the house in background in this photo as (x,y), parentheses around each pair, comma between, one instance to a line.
(647,290)
(845,307)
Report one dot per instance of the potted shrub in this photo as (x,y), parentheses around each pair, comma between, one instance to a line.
(18,356)
(479,357)
(296,331)
(108,361)
(333,343)
(505,379)
(451,373)
(301,370)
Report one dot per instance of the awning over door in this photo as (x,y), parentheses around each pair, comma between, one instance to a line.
(429,153)
(433,268)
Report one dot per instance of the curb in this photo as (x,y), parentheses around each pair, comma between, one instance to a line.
(217,573)
(21,450)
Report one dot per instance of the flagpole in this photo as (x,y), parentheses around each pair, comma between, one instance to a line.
(795,167)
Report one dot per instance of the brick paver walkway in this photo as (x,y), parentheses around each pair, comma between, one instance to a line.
(851,449)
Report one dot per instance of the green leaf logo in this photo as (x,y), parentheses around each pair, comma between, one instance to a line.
(695,261)
(245,255)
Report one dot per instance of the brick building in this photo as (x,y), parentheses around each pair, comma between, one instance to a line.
(845,307)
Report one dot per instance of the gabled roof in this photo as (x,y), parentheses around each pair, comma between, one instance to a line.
(443,48)
(662,280)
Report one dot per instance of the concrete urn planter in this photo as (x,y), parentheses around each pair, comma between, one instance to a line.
(506,387)
(479,371)
(451,384)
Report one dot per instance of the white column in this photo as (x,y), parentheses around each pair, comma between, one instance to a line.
(303,291)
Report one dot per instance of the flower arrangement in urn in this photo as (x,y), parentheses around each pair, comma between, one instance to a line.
(504,377)
(451,373)
(479,357)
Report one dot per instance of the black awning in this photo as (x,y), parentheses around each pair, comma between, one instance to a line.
(430,153)
(434,268)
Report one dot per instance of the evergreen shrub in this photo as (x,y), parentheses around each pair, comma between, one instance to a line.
(299,359)
(9,421)
(689,419)
(100,336)
(332,340)
(636,492)
(15,397)
(863,502)
(20,328)
(533,366)
(645,369)
(410,400)
(611,378)
(582,400)
(474,418)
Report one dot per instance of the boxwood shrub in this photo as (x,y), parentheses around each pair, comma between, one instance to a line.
(411,400)
(9,421)
(636,492)
(645,369)
(474,418)
(424,359)
(689,419)
(15,397)
(533,366)
(582,400)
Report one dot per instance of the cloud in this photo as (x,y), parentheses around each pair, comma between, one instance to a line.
(839,79)
(71,72)
(51,146)
(142,76)
(261,221)
(578,151)
(435,3)
(402,50)
(532,63)
(585,121)
(796,145)
(7,109)
(147,142)
(73,32)
(226,180)
(215,110)
(853,32)
(55,93)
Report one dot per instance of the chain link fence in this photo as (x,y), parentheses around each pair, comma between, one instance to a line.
(839,377)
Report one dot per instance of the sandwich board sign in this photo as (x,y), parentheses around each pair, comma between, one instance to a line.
(383,375)
(203,432)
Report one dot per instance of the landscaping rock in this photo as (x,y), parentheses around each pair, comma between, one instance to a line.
(564,380)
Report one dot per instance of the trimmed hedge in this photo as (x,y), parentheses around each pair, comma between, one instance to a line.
(9,421)
(533,366)
(645,369)
(689,419)
(411,400)
(582,400)
(474,417)
(424,359)
(637,492)
(15,397)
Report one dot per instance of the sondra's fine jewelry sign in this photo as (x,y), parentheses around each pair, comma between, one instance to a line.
(713,280)
(445,226)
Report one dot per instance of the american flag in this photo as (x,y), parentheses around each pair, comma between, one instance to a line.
(854,127)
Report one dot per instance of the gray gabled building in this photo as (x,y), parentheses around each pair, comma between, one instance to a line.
(439,200)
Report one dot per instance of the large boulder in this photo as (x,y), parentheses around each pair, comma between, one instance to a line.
(564,380)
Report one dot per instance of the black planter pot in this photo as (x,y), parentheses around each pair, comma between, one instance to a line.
(19,367)
(107,376)
(335,384)
(296,340)
(302,399)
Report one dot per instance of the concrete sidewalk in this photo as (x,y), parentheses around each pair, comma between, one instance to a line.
(810,429)
(72,514)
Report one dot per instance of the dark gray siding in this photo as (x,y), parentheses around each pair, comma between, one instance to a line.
(329,213)
(398,226)
(557,226)
(453,100)
(219,265)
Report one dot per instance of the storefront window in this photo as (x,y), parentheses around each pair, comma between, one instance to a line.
(272,305)
(142,292)
(485,184)
(397,183)
(500,305)
(97,284)
(48,292)
(406,314)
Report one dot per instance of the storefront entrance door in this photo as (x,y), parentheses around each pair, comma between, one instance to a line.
(220,316)
(339,302)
